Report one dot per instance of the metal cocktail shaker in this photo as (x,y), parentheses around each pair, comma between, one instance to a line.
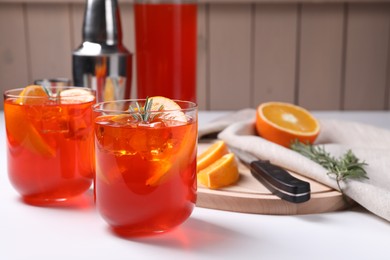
(102,62)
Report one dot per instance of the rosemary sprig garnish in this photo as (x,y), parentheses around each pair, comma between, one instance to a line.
(347,166)
(47,90)
(144,113)
(50,93)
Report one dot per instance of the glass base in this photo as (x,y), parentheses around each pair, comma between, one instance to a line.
(80,201)
(135,232)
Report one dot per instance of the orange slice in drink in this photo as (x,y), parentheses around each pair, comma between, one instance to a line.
(160,170)
(181,154)
(223,172)
(282,123)
(172,112)
(76,95)
(32,94)
(18,126)
(169,105)
(211,154)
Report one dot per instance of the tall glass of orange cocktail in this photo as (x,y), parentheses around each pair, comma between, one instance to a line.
(145,164)
(50,145)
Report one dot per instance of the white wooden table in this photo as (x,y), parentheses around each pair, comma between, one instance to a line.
(28,232)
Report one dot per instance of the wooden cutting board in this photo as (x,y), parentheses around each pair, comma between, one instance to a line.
(250,196)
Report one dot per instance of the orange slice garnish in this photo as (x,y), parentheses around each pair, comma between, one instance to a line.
(168,105)
(283,123)
(32,94)
(171,111)
(76,95)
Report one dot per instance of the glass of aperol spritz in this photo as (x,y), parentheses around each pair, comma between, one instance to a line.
(145,164)
(50,145)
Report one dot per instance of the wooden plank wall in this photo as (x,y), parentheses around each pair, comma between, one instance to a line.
(323,55)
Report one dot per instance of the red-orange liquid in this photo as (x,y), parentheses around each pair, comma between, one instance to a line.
(145,176)
(166,50)
(50,150)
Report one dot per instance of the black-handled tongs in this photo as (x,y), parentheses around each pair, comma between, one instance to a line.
(276,179)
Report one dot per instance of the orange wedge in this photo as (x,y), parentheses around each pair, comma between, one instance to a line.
(282,123)
(32,94)
(211,154)
(223,172)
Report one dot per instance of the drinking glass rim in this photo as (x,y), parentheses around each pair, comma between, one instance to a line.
(95,107)
(9,92)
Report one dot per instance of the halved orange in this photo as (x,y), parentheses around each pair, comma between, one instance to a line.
(32,94)
(223,172)
(211,154)
(282,123)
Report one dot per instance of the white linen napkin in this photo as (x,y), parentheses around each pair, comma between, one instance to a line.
(370,144)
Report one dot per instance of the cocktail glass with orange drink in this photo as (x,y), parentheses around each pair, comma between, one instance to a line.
(50,145)
(145,164)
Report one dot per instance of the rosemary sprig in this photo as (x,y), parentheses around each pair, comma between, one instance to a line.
(47,90)
(144,113)
(50,93)
(347,166)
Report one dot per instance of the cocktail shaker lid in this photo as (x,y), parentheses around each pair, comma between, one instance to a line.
(102,22)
